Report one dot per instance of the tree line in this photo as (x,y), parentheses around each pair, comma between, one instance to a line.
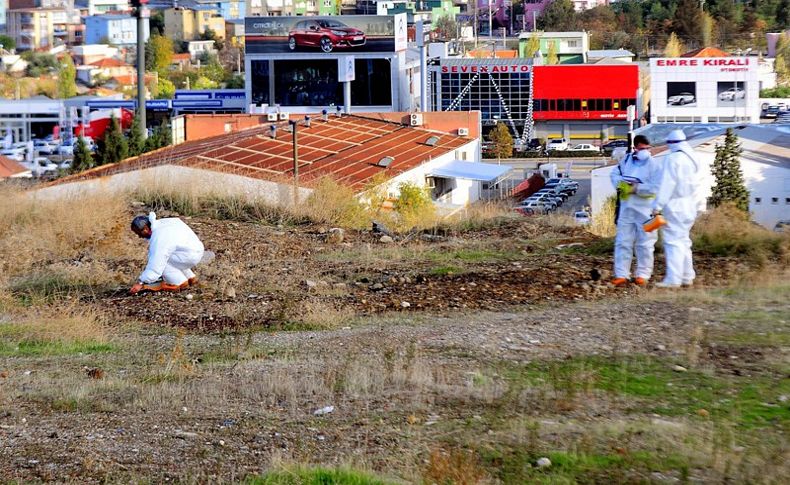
(115,145)
(645,26)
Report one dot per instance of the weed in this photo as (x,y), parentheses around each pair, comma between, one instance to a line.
(602,223)
(456,467)
(304,475)
(446,270)
(68,333)
(727,231)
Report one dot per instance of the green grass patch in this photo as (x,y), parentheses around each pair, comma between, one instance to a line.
(48,286)
(749,402)
(517,465)
(446,270)
(316,476)
(38,348)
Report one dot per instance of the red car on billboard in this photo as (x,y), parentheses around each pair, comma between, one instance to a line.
(325,34)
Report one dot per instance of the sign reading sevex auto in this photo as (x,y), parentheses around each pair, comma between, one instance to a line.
(346,34)
(484,68)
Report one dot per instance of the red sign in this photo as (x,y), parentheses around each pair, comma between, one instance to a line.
(476,69)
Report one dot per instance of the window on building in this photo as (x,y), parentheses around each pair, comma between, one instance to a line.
(372,85)
(573,43)
(757,200)
(577,104)
(259,78)
(787,200)
(774,200)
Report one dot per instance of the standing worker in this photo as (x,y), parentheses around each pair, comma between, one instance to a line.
(636,179)
(677,202)
(173,250)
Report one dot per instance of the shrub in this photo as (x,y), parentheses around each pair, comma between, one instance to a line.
(414,206)
(335,204)
(727,231)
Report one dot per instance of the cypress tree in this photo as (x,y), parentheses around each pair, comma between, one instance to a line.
(83,158)
(730,187)
(136,140)
(113,146)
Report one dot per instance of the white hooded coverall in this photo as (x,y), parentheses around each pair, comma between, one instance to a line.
(677,200)
(173,250)
(634,211)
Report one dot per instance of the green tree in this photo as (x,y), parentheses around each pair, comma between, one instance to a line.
(7,42)
(158,53)
(533,45)
(39,63)
(67,78)
(165,89)
(112,147)
(502,141)
(161,137)
(205,83)
(559,16)
(686,22)
(551,56)
(136,140)
(730,187)
(157,22)
(673,48)
(446,27)
(235,82)
(83,158)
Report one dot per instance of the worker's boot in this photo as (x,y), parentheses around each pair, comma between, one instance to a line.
(662,284)
(193,281)
(169,287)
(620,282)
(639,281)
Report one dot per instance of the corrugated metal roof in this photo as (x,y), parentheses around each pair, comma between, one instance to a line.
(346,149)
(610,53)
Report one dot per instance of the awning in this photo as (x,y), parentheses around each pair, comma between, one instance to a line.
(459,169)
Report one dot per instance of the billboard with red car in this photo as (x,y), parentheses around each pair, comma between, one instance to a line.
(346,34)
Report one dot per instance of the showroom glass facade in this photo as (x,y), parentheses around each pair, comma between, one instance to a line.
(489,92)
(314,83)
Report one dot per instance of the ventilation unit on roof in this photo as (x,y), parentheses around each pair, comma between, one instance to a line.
(284,116)
(432,141)
(385,162)
(415,119)
(271,116)
(463,131)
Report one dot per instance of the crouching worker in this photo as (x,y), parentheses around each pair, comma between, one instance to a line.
(636,178)
(173,250)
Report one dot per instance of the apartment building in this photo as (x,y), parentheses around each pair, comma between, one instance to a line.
(185,24)
(120,30)
(38,28)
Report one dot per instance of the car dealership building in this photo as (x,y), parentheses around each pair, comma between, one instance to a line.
(578,102)
(704,89)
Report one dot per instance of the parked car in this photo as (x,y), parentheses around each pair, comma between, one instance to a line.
(584,147)
(44,146)
(582,218)
(17,154)
(326,34)
(65,165)
(771,111)
(681,98)
(550,203)
(732,94)
(782,226)
(537,207)
(559,144)
(783,117)
(610,146)
(525,211)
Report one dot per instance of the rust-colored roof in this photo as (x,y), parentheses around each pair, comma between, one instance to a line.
(706,52)
(9,168)
(346,149)
(180,58)
(108,62)
(486,53)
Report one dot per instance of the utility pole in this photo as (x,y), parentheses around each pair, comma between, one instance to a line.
(294,124)
(142,14)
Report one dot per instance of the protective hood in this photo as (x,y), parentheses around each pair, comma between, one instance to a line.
(686,149)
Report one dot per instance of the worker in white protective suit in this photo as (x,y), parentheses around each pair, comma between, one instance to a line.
(636,179)
(677,202)
(173,250)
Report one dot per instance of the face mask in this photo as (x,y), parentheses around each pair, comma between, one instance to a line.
(642,155)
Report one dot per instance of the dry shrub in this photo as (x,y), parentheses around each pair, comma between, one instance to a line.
(727,231)
(456,467)
(61,280)
(38,230)
(336,204)
(481,215)
(319,315)
(602,223)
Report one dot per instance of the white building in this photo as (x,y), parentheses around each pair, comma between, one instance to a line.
(765,163)
(704,89)
(115,29)
(582,5)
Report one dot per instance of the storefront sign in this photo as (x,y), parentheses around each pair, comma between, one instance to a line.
(484,68)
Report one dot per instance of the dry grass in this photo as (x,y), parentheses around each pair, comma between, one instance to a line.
(603,222)
(727,231)
(457,467)
(36,230)
(319,315)
(66,326)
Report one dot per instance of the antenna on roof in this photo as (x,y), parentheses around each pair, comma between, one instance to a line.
(273,131)
(307,121)
(385,162)
(325,114)
(339,112)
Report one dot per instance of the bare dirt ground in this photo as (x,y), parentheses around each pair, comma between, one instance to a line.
(445,358)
